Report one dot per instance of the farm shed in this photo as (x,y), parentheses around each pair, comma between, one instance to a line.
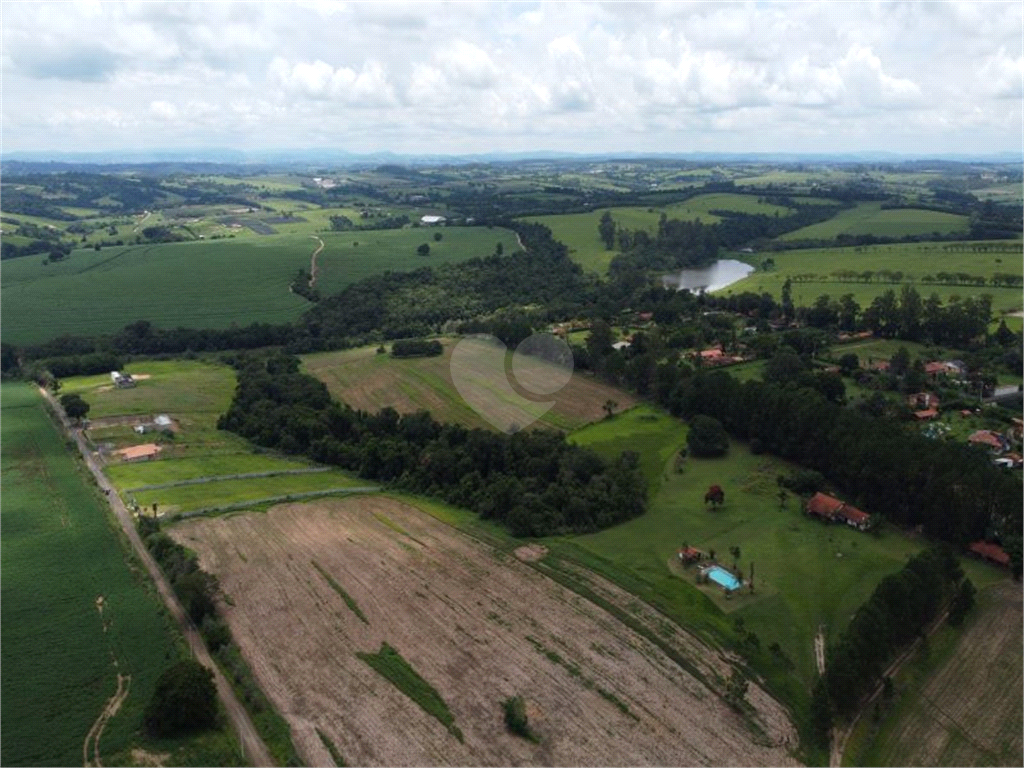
(139,452)
(432,220)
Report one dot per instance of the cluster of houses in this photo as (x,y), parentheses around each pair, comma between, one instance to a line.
(833,510)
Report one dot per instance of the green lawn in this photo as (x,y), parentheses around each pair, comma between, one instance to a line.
(869,218)
(220,493)
(915,260)
(60,554)
(133,475)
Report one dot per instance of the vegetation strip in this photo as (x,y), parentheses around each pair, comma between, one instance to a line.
(574,670)
(353,606)
(274,500)
(390,665)
(336,756)
(216,478)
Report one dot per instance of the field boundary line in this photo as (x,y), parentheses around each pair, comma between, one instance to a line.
(218,478)
(272,500)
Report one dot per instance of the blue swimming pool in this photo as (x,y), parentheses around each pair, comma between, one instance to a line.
(723,578)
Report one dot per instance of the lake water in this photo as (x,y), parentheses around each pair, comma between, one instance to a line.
(718,275)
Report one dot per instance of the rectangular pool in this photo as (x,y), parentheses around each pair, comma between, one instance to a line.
(723,578)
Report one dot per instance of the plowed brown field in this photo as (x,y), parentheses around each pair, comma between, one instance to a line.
(478,625)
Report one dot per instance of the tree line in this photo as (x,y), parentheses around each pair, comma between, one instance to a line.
(534,483)
(899,611)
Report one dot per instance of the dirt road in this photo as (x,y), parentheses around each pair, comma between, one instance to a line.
(312,261)
(253,748)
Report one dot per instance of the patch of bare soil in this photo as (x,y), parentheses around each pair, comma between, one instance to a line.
(154,759)
(531,552)
(476,624)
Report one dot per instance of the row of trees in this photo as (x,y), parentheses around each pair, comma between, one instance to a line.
(416,348)
(899,611)
(534,483)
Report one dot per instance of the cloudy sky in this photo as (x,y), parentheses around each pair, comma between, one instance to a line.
(456,77)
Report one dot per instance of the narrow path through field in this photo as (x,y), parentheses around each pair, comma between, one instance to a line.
(92,738)
(141,221)
(253,748)
(819,650)
(312,261)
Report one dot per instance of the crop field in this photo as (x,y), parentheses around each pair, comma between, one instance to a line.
(962,703)
(915,260)
(343,262)
(870,219)
(134,475)
(368,381)
(806,573)
(76,611)
(200,284)
(390,636)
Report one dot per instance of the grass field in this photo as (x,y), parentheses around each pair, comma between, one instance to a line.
(959,702)
(129,475)
(63,647)
(342,262)
(915,260)
(806,574)
(369,381)
(220,493)
(579,230)
(870,219)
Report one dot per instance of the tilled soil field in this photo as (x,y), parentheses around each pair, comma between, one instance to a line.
(475,623)
(971,711)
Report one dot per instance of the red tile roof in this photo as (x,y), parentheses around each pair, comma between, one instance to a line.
(931,413)
(935,367)
(985,437)
(991,552)
(854,515)
(823,505)
(139,451)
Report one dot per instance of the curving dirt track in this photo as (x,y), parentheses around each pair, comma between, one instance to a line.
(477,624)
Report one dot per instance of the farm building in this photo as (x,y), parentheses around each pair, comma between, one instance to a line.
(161,422)
(689,555)
(833,510)
(122,380)
(620,345)
(139,452)
(991,552)
(989,439)
(430,221)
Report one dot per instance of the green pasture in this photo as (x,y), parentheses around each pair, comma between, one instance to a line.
(342,262)
(1001,193)
(135,474)
(915,260)
(806,573)
(61,553)
(868,218)
(579,230)
(218,493)
(174,387)
(199,284)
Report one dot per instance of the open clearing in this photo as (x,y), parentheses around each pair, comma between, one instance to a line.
(476,624)
(872,219)
(368,381)
(915,260)
(970,710)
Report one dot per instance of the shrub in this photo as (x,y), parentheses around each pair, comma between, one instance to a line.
(515,718)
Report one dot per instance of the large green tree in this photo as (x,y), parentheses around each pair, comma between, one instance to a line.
(185,700)
(707,437)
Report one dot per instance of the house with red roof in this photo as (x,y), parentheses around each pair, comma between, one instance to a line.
(689,555)
(833,510)
(991,552)
(989,439)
